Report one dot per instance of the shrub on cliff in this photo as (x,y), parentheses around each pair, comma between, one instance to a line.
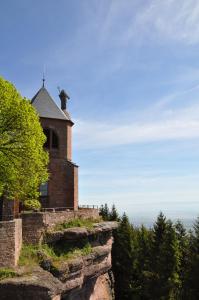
(23,161)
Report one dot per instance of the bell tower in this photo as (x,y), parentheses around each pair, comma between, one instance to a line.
(62,188)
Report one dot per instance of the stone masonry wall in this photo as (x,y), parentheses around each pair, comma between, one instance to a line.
(10,242)
(35,224)
(63,179)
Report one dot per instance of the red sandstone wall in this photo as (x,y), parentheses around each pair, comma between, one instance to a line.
(69,142)
(63,130)
(10,242)
(35,224)
(63,181)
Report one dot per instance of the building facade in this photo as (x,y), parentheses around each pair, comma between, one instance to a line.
(61,191)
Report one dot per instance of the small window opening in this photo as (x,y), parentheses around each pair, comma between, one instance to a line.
(54,140)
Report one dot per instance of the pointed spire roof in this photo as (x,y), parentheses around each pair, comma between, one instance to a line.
(46,107)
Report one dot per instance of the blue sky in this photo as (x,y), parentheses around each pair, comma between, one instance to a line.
(131,68)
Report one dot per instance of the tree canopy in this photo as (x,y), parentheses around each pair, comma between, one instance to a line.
(158,263)
(23,161)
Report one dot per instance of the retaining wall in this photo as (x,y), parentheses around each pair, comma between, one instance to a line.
(10,242)
(35,224)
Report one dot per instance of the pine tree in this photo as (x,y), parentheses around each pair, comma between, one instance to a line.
(165,260)
(123,260)
(104,212)
(143,263)
(183,242)
(113,216)
(101,211)
(191,290)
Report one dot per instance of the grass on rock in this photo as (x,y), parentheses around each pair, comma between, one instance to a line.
(87,223)
(62,250)
(31,255)
(6,273)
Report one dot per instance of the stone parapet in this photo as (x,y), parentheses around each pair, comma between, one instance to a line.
(37,223)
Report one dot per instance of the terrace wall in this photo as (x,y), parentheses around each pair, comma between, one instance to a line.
(10,242)
(35,224)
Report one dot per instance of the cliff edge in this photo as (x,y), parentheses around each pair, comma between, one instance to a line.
(85,275)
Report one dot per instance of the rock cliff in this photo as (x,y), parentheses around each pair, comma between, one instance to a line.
(85,277)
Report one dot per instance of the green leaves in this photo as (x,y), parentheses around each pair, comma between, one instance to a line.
(23,161)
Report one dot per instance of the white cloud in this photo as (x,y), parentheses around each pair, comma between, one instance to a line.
(170,19)
(173,19)
(179,124)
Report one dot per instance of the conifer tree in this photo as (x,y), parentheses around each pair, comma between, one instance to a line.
(123,260)
(104,212)
(165,260)
(143,263)
(113,215)
(191,290)
(101,211)
(183,242)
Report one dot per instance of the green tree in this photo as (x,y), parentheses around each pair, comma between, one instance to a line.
(191,289)
(183,242)
(165,261)
(145,275)
(104,212)
(113,215)
(123,260)
(23,161)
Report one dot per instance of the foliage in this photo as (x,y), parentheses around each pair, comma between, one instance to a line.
(113,214)
(6,273)
(23,160)
(104,212)
(123,255)
(109,215)
(160,263)
(165,259)
(191,287)
(32,204)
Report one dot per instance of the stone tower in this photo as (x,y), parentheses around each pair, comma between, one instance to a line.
(62,188)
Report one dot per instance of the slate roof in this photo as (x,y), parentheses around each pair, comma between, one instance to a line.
(46,107)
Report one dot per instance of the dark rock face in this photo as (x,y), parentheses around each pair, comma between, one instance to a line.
(83,278)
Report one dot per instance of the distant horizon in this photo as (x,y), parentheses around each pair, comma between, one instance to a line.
(149,222)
